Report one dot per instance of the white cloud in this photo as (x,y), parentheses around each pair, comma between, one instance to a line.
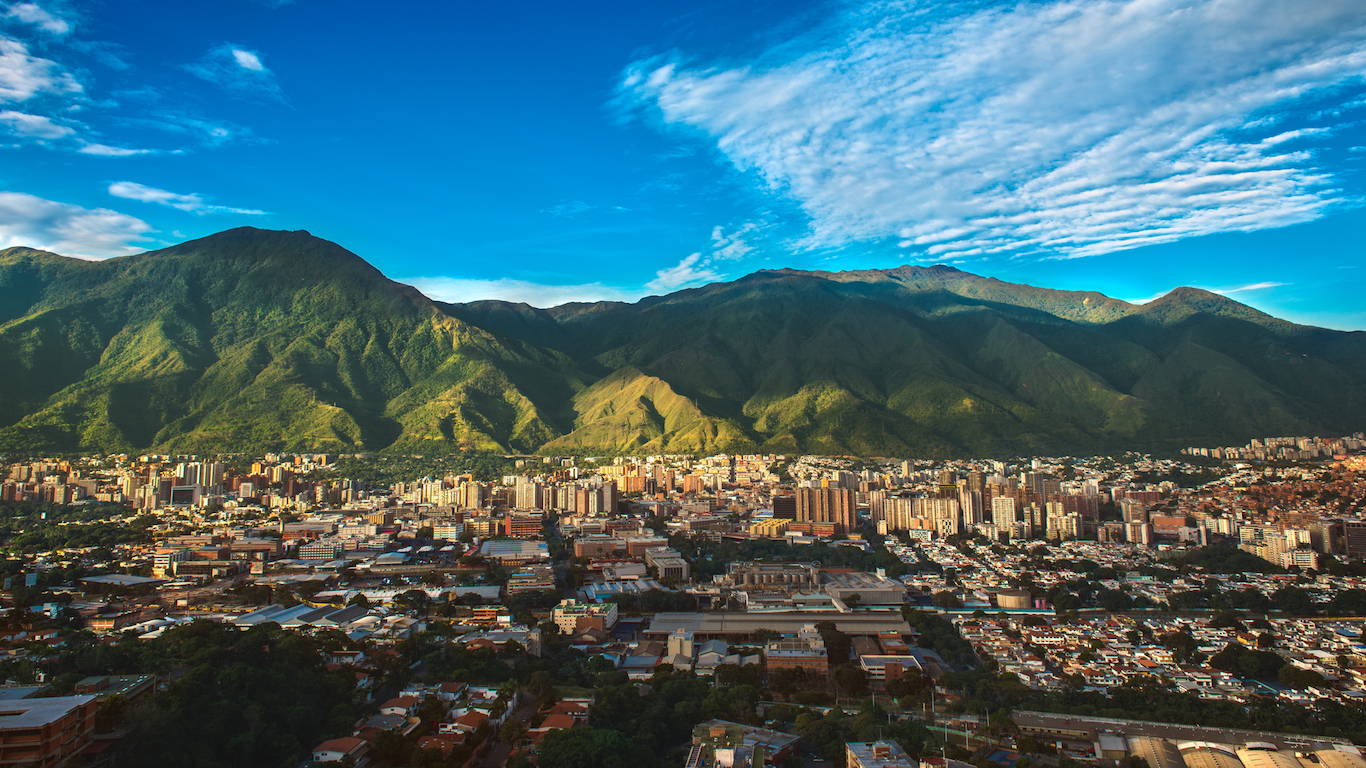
(35,126)
(238,69)
(31,13)
(458,290)
(248,60)
(1250,287)
(568,208)
(104,150)
(703,266)
(23,76)
(191,203)
(1071,127)
(1153,297)
(68,229)
(731,246)
(691,271)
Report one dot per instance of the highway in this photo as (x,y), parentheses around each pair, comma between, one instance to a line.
(1170,731)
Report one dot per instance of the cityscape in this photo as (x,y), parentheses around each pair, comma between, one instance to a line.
(1059,610)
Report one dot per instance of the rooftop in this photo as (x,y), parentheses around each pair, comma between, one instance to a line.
(35,713)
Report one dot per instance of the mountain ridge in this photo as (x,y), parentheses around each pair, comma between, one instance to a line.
(255,339)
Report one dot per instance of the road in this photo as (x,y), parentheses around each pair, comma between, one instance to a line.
(1171,731)
(498,754)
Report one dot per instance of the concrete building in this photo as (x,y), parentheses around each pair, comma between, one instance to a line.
(1335,758)
(780,576)
(668,563)
(1264,757)
(1159,753)
(871,589)
(1200,754)
(827,505)
(1014,599)
(572,617)
(45,732)
(877,754)
(807,651)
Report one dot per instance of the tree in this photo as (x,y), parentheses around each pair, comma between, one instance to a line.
(1226,620)
(542,686)
(850,680)
(413,600)
(1299,678)
(1244,662)
(836,642)
(593,748)
(1294,601)
(512,731)
(947,600)
(909,684)
(1182,645)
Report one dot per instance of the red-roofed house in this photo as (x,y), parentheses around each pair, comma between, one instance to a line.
(335,750)
(446,742)
(403,706)
(574,709)
(468,722)
(450,691)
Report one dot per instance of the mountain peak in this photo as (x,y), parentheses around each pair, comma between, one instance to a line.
(1186,301)
(288,249)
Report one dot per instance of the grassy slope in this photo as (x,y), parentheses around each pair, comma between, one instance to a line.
(252,339)
(266,340)
(938,361)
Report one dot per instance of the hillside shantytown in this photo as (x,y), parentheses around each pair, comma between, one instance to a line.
(684,610)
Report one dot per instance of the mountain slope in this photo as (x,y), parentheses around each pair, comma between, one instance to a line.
(256,340)
(937,361)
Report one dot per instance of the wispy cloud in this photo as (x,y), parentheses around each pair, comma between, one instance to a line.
(1147,299)
(1249,287)
(1071,127)
(238,69)
(1220,291)
(68,229)
(706,266)
(568,208)
(191,203)
(33,14)
(208,132)
(35,126)
(692,270)
(104,150)
(458,290)
(41,97)
(23,76)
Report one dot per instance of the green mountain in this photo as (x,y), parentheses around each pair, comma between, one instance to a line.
(256,340)
(935,361)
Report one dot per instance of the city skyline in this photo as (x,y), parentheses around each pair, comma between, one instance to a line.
(545,154)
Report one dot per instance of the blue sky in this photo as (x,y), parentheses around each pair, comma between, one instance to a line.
(550,152)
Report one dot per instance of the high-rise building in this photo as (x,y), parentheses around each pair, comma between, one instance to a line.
(827,505)
(977,482)
(528,494)
(1003,512)
(1140,533)
(785,507)
(1354,537)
